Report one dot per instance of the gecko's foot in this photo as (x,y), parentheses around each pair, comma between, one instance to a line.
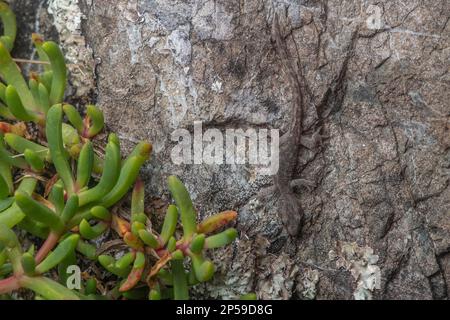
(289,208)
(297,183)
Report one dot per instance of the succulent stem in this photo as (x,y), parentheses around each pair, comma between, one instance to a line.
(56,146)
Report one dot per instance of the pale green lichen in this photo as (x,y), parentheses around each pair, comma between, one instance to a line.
(361,262)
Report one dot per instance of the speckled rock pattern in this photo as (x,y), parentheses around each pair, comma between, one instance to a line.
(377,223)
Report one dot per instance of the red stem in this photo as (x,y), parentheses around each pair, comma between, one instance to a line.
(9,284)
(86,123)
(160,252)
(48,245)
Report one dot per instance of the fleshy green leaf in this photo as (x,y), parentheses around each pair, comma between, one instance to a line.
(48,288)
(109,177)
(170,223)
(221,239)
(101,213)
(38,211)
(91,232)
(128,174)
(184,204)
(197,243)
(148,238)
(96,120)
(63,249)
(74,117)
(56,146)
(85,164)
(59,77)
(28,264)
(180,286)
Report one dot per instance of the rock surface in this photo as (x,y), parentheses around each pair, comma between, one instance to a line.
(377,222)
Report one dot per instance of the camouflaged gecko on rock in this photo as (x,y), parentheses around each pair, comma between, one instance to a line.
(291,143)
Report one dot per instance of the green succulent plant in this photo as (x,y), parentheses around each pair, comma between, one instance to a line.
(167,277)
(55,186)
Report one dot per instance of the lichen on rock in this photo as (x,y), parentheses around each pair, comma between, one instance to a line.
(67,18)
(361,262)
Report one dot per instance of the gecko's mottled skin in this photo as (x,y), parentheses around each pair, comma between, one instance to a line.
(290,210)
(293,140)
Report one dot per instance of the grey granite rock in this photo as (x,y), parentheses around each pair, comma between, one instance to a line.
(377,224)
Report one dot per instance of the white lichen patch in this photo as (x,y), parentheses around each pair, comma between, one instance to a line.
(179,44)
(310,279)
(234,278)
(361,262)
(217,86)
(67,17)
(212,21)
(277,277)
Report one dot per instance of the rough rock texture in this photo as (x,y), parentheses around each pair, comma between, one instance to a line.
(31,17)
(377,222)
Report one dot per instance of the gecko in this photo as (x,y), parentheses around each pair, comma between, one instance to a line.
(290,209)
